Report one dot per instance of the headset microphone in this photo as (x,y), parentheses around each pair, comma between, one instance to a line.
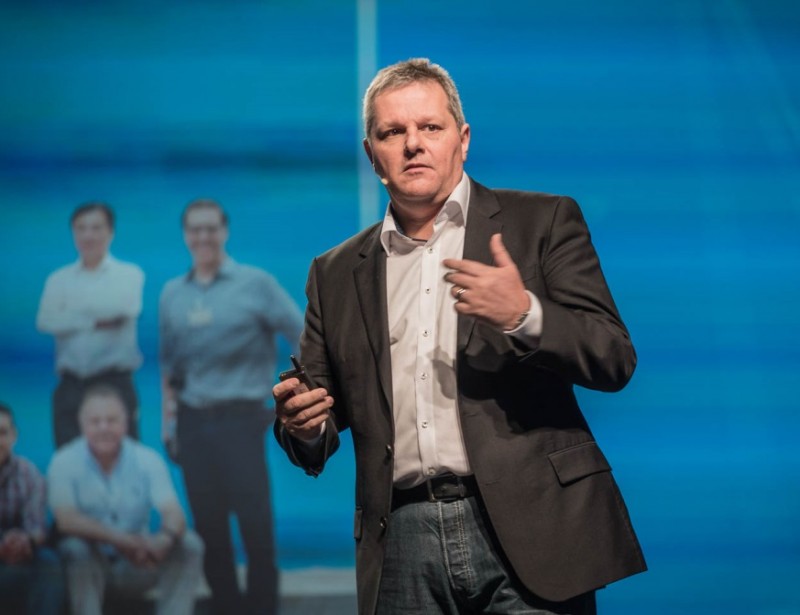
(384,181)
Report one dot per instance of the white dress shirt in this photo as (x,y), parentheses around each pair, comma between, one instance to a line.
(422,335)
(75,299)
(123,498)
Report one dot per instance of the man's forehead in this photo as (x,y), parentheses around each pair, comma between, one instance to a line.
(91,218)
(102,404)
(422,88)
(412,100)
(204,214)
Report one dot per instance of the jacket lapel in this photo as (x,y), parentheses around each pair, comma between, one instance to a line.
(370,281)
(481,225)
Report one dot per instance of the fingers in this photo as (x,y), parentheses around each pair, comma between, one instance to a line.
(301,413)
(307,429)
(499,253)
(466,267)
(309,413)
(493,293)
(291,398)
(283,390)
(467,275)
(133,547)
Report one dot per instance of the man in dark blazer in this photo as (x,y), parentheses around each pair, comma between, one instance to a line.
(448,339)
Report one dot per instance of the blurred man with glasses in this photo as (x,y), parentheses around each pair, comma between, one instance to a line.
(218,328)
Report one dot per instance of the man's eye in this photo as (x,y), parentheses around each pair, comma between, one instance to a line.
(430,127)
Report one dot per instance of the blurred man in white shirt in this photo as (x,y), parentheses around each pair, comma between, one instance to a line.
(91,308)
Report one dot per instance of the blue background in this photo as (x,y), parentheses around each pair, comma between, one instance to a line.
(676,125)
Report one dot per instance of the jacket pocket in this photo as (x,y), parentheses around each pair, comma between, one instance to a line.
(357,524)
(576,462)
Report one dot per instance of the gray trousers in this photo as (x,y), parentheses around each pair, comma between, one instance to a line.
(89,573)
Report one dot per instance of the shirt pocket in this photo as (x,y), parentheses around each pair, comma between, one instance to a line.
(576,462)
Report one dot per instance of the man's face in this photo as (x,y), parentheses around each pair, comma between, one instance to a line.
(205,235)
(92,236)
(104,423)
(415,144)
(8,437)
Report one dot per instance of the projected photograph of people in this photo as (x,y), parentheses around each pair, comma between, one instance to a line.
(389,307)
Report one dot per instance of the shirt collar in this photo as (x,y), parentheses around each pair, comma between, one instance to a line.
(454,209)
(123,455)
(106,261)
(225,269)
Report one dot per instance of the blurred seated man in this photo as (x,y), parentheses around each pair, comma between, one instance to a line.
(103,488)
(30,574)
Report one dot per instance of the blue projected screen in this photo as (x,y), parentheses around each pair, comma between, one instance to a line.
(676,126)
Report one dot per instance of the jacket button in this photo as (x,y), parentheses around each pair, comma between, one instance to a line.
(384,522)
(389,451)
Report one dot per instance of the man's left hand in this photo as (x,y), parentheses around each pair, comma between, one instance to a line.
(493,293)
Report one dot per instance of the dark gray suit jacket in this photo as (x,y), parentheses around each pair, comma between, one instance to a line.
(547,487)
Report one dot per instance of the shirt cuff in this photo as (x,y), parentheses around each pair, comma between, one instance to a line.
(529,330)
(309,445)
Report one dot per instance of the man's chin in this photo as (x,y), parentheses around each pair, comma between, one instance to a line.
(421,202)
(207,258)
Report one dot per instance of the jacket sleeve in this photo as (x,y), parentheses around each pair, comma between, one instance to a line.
(314,357)
(311,458)
(583,338)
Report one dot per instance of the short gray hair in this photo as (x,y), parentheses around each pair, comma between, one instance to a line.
(407,72)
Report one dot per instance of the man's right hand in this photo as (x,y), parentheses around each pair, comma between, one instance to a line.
(159,546)
(15,547)
(134,548)
(301,414)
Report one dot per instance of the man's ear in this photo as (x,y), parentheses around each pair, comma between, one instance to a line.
(465,137)
(368,151)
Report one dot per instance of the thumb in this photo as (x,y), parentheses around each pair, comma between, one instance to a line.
(499,253)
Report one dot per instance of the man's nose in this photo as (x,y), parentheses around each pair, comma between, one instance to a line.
(413,143)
